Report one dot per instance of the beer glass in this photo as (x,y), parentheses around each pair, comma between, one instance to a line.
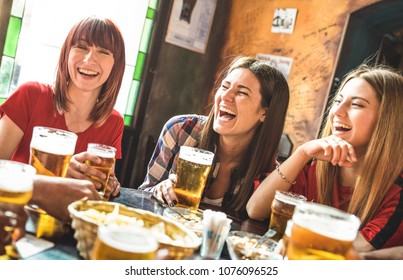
(51,150)
(321,232)
(107,156)
(286,237)
(282,209)
(116,242)
(192,171)
(16,186)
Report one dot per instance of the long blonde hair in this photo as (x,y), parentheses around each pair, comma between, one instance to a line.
(383,161)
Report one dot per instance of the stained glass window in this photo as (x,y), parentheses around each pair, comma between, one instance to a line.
(37,29)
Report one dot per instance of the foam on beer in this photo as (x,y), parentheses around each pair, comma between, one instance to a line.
(329,224)
(52,145)
(128,239)
(53,141)
(194,155)
(289,198)
(101,153)
(15,181)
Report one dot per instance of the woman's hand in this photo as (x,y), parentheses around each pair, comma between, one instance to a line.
(164,191)
(112,188)
(11,215)
(332,149)
(78,169)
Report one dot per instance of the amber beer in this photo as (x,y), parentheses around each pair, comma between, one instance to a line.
(16,185)
(51,150)
(115,242)
(192,171)
(286,237)
(107,156)
(282,209)
(16,182)
(321,232)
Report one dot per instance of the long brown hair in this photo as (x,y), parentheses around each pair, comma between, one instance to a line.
(100,32)
(262,151)
(383,161)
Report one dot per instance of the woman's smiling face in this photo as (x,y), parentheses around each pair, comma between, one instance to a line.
(238,108)
(89,66)
(355,112)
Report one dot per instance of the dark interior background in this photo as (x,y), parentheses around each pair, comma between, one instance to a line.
(179,81)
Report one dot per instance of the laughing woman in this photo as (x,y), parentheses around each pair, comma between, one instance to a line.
(89,76)
(358,162)
(243,130)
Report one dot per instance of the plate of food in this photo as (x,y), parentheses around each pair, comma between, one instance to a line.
(240,246)
(192,219)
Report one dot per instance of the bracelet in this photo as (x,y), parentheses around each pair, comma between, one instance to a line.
(283,177)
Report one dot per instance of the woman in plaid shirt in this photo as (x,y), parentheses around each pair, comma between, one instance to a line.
(243,129)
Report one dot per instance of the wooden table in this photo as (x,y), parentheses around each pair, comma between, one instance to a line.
(65,248)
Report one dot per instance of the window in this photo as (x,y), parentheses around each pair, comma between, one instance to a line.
(37,29)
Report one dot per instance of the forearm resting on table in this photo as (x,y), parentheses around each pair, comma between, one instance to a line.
(367,252)
(259,204)
(393,253)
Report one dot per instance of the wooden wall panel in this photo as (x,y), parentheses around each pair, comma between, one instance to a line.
(313,46)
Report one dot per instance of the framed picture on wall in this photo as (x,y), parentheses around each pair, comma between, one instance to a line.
(190,23)
(284,20)
(281,63)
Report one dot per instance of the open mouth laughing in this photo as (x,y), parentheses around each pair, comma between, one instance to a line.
(86,72)
(226,113)
(338,126)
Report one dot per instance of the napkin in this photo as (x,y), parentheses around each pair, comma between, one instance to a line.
(29,245)
(216,226)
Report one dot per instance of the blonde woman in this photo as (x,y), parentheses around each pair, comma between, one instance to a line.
(357,163)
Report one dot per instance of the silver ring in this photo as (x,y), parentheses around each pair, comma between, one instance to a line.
(115,181)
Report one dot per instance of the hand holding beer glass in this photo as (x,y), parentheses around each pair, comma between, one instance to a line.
(51,151)
(321,232)
(106,166)
(16,186)
(282,209)
(192,171)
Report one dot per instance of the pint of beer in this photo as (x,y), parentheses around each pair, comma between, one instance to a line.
(282,209)
(107,156)
(192,170)
(16,182)
(116,242)
(51,150)
(286,237)
(321,232)
(16,185)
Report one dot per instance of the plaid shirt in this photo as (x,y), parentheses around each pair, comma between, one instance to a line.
(177,131)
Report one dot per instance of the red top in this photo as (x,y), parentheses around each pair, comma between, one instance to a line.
(384,230)
(32,105)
